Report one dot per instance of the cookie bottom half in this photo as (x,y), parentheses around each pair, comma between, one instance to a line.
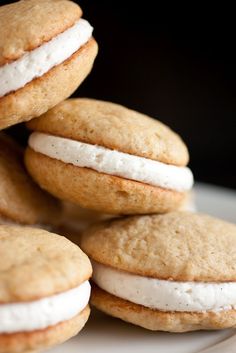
(43,93)
(159,320)
(43,339)
(93,190)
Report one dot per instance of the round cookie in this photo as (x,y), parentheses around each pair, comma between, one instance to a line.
(46,51)
(44,289)
(106,157)
(21,200)
(174,272)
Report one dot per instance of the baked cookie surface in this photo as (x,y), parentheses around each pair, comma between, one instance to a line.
(181,246)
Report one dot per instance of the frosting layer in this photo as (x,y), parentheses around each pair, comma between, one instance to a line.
(112,162)
(40,314)
(165,295)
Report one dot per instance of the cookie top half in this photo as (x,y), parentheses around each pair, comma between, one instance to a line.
(35,264)
(115,127)
(177,246)
(27,24)
(21,200)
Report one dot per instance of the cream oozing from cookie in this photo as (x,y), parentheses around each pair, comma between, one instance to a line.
(42,313)
(165,295)
(39,61)
(112,162)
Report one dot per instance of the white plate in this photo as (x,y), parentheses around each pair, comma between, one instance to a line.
(103,334)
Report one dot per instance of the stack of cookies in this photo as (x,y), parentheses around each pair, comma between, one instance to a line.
(154,265)
(46,51)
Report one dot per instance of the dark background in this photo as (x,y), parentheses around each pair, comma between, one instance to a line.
(175,64)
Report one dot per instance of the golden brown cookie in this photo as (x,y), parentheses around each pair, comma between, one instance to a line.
(44,289)
(172,272)
(108,158)
(46,51)
(21,200)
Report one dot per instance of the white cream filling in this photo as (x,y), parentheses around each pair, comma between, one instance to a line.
(163,294)
(112,162)
(37,62)
(40,314)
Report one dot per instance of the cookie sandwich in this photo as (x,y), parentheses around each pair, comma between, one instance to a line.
(106,157)
(174,272)
(46,51)
(44,289)
(21,200)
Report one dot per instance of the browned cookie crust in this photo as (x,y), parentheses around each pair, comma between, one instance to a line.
(181,246)
(27,24)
